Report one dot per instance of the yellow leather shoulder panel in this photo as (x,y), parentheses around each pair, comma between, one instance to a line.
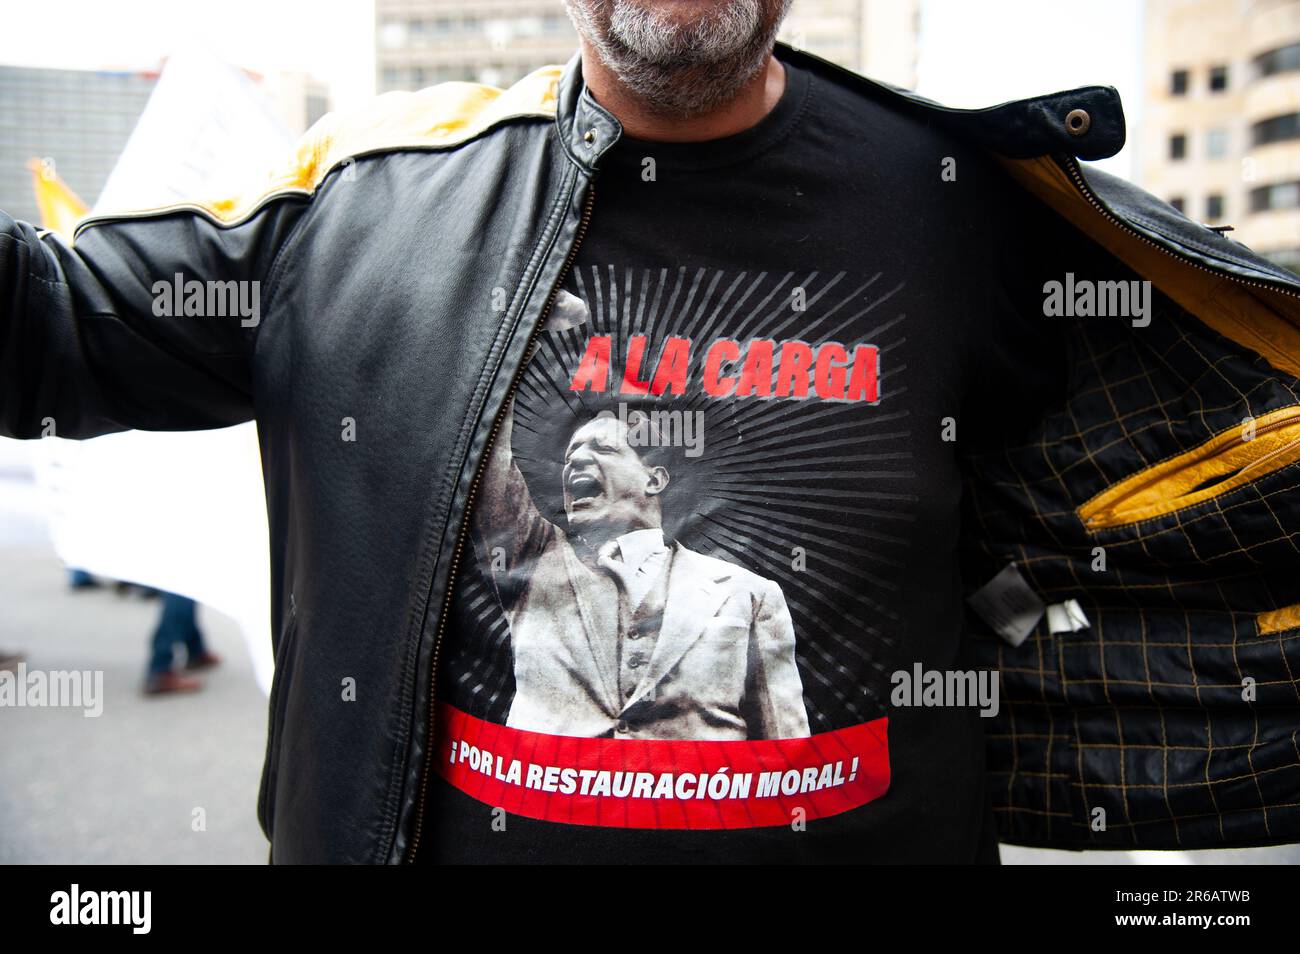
(441,115)
(437,117)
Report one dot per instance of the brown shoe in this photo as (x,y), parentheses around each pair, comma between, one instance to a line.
(161,682)
(204,660)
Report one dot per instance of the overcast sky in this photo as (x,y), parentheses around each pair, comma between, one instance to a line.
(973,52)
(981,52)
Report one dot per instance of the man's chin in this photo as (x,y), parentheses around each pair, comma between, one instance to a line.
(683,59)
(680,12)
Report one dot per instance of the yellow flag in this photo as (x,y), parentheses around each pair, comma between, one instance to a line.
(59,206)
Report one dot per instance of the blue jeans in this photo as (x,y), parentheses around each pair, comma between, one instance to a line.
(178,624)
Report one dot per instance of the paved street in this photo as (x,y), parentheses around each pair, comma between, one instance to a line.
(123,787)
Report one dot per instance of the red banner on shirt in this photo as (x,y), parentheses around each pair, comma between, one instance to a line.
(640,783)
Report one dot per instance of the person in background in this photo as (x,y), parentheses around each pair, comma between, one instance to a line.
(81,580)
(177,625)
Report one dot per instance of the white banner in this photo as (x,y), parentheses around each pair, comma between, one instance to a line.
(184,512)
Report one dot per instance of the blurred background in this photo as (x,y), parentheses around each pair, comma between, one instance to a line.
(138,103)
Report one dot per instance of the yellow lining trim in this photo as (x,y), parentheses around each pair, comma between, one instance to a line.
(440,116)
(1275,621)
(1258,318)
(1169,485)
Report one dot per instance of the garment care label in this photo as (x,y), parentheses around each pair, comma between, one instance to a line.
(1009,605)
(1067,617)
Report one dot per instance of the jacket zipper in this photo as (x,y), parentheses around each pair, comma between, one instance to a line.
(1276,452)
(469,507)
(1076,174)
(1140,496)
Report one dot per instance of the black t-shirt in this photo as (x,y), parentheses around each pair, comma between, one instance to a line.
(724,509)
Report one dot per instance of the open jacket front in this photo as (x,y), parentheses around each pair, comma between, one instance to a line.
(407,257)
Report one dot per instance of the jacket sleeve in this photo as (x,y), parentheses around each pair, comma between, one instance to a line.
(90,342)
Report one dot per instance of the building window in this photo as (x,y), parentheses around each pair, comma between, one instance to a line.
(1178,146)
(392,78)
(1178,83)
(1285,59)
(1179,203)
(1216,143)
(1218,79)
(392,34)
(1279,195)
(528,26)
(1275,129)
(1213,207)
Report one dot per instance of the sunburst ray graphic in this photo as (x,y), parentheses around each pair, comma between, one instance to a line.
(776,477)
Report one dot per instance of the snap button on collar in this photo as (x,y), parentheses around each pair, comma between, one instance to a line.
(589,136)
(1077,122)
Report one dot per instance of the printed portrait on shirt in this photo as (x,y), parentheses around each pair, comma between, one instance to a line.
(616,627)
(637,541)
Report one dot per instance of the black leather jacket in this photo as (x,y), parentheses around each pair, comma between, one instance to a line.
(405,259)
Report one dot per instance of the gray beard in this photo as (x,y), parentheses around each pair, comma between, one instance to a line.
(679,70)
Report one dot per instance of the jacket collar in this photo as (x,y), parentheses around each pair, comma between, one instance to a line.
(1087,122)
(586,128)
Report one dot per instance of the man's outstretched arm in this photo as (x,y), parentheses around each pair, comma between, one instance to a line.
(512,527)
(88,345)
